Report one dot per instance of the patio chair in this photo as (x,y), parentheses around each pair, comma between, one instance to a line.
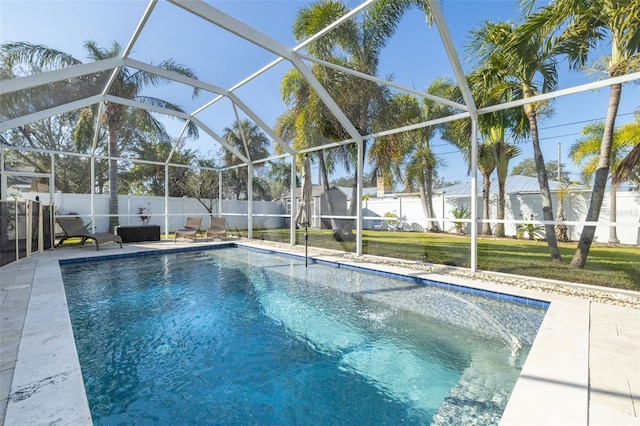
(74,228)
(377,225)
(191,228)
(398,225)
(217,228)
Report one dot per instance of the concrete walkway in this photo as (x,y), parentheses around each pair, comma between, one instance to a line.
(583,369)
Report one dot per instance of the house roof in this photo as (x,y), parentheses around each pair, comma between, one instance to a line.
(348,190)
(513,185)
(316,191)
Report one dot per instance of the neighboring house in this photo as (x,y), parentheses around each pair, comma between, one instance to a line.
(515,184)
(319,205)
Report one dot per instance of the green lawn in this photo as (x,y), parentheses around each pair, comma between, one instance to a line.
(607,266)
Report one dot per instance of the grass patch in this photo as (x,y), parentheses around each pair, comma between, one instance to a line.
(607,266)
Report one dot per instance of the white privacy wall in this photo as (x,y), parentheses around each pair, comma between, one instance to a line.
(518,206)
(270,214)
(235,211)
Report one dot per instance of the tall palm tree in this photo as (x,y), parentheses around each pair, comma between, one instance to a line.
(247,138)
(586,150)
(525,64)
(629,167)
(356,44)
(128,84)
(581,26)
(414,147)
(503,152)
(280,177)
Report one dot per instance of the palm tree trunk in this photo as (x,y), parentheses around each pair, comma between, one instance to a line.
(498,231)
(600,180)
(486,192)
(428,187)
(561,230)
(613,233)
(543,182)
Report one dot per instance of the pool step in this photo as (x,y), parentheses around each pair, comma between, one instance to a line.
(477,399)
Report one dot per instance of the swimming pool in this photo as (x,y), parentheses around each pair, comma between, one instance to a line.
(236,336)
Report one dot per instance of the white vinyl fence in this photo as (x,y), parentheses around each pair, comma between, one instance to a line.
(271,215)
(266,214)
(518,207)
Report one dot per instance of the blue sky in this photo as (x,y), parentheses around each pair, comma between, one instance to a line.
(414,56)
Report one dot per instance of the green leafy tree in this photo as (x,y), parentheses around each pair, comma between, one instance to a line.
(52,134)
(149,179)
(128,84)
(527,167)
(202,183)
(279,175)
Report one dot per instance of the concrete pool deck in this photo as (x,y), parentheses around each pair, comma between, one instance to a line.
(583,368)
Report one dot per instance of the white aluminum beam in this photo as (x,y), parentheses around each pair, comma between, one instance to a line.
(385,82)
(220,140)
(153,108)
(152,69)
(242,137)
(454,60)
(46,113)
(178,139)
(132,40)
(330,27)
(143,21)
(234,26)
(326,98)
(563,92)
(224,21)
(474,196)
(237,101)
(418,125)
(48,77)
(96,132)
(296,48)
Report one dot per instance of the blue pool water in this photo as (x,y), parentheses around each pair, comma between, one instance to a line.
(235,336)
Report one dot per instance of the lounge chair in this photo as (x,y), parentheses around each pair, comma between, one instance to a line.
(74,228)
(191,228)
(217,228)
(397,225)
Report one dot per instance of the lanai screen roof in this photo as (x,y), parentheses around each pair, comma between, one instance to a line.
(240,51)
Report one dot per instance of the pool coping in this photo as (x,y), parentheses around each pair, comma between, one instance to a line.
(47,386)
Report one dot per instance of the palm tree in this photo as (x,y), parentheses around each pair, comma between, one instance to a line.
(628,169)
(388,154)
(582,25)
(503,152)
(247,138)
(458,133)
(355,44)
(563,190)
(586,151)
(280,177)
(128,84)
(523,63)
